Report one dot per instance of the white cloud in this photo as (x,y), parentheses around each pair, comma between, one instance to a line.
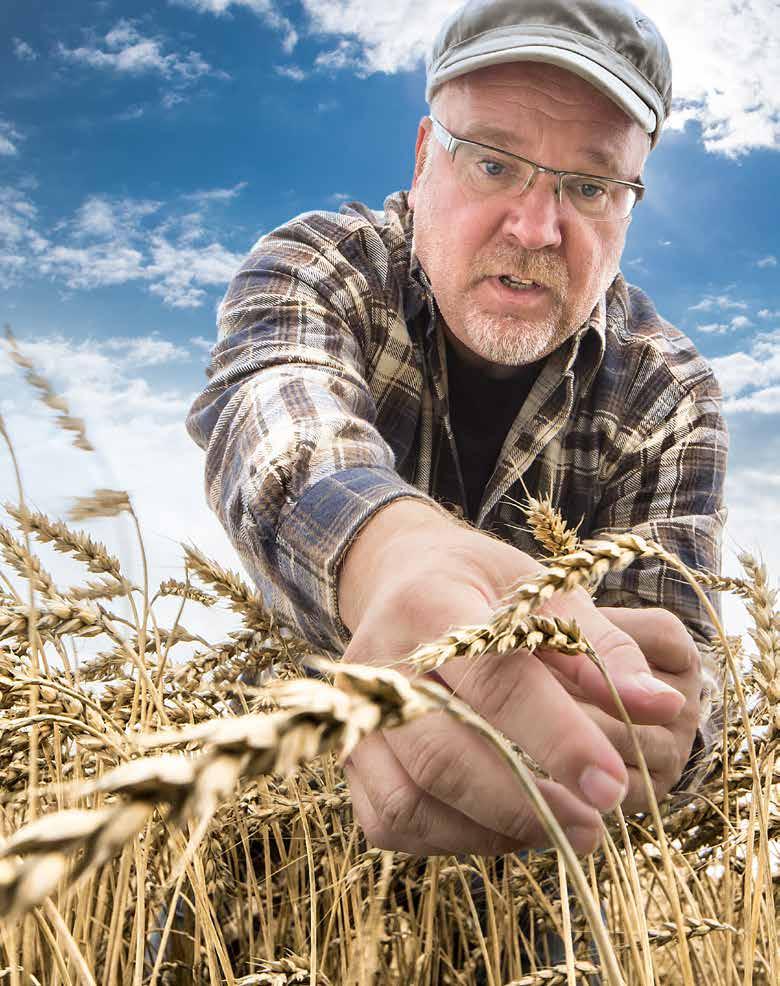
(346,55)
(9,137)
(291,72)
(765,401)
(757,371)
(263,8)
(23,51)
(724,55)
(128,52)
(200,343)
(20,242)
(117,241)
(720,328)
(768,313)
(217,194)
(752,493)
(769,261)
(131,113)
(723,301)
(95,266)
(138,429)
(726,70)
(665,243)
(146,350)
(102,217)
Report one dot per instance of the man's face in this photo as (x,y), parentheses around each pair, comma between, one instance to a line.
(551,117)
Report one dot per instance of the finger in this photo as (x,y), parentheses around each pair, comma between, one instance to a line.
(657,744)
(647,699)
(367,818)
(660,635)
(498,818)
(516,694)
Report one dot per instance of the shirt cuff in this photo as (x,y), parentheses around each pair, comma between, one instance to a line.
(313,536)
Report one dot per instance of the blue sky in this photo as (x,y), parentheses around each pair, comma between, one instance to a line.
(144,147)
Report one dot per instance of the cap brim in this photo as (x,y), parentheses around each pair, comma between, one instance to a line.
(586,68)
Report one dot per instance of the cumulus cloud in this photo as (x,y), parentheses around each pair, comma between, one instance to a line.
(137,427)
(9,138)
(143,351)
(769,261)
(751,381)
(179,271)
(20,241)
(726,69)
(126,51)
(265,9)
(723,301)
(293,72)
(23,51)
(111,241)
(217,194)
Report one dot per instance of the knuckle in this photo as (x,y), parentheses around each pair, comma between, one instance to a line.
(671,631)
(496,690)
(401,811)
(611,641)
(433,767)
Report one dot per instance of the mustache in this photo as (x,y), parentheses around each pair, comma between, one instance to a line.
(551,272)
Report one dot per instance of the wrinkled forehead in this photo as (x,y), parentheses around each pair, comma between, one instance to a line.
(538,82)
(498,95)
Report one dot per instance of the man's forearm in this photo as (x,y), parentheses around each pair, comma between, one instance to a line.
(361,568)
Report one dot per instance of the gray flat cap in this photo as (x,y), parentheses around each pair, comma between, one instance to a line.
(609,43)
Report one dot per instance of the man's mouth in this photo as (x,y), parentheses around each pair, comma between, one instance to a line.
(518,284)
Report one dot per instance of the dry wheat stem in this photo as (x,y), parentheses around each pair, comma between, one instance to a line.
(317,718)
(555,975)
(67,541)
(57,403)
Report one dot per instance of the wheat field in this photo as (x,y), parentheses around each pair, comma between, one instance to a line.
(174,819)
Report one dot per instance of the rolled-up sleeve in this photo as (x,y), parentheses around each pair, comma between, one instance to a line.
(294,463)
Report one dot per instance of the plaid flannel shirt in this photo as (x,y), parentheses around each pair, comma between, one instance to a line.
(327,400)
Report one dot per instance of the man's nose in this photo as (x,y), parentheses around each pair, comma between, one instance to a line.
(534,217)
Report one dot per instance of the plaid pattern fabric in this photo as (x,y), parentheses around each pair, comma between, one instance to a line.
(327,399)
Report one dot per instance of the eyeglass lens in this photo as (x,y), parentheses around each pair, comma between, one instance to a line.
(486,173)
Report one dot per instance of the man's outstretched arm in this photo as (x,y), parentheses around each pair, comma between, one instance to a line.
(434,786)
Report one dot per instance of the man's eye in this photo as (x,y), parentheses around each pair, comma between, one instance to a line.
(492,164)
(590,191)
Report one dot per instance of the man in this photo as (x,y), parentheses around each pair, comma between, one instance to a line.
(476,340)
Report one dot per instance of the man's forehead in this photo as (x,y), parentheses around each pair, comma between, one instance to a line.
(614,154)
(512,140)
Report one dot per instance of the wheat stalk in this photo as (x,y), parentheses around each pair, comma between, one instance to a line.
(77,543)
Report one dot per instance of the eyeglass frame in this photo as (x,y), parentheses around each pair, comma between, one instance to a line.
(451,143)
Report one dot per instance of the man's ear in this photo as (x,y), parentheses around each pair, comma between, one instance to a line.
(422,148)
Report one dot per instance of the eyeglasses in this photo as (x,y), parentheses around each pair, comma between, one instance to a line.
(498,172)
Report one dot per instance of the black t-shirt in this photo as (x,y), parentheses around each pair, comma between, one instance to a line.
(482,410)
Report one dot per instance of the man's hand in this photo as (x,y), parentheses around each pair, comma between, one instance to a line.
(674,659)
(433,786)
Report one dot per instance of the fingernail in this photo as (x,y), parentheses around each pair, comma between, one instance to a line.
(583,839)
(654,686)
(601,789)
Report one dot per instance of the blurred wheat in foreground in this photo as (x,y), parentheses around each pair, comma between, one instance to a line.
(167,821)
